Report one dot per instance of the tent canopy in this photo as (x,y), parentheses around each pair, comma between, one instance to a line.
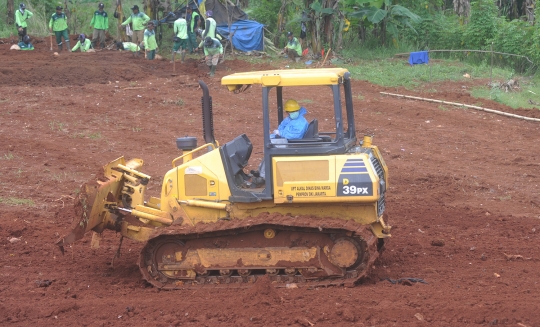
(248,34)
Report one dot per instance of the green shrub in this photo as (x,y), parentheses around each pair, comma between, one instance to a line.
(482,24)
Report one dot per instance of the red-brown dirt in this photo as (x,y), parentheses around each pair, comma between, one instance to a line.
(463,194)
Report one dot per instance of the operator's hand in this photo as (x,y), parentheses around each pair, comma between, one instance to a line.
(276,132)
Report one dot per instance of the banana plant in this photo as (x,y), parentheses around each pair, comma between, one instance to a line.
(320,22)
(390,18)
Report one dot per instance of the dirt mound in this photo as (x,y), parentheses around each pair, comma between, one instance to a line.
(263,292)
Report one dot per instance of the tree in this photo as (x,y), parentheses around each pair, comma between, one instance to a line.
(10,13)
(389,19)
(462,8)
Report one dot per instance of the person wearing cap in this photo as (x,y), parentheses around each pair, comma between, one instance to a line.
(212,51)
(138,20)
(100,23)
(209,26)
(192,19)
(58,25)
(21,16)
(83,43)
(25,44)
(129,46)
(210,29)
(294,126)
(150,43)
(180,38)
(293,48)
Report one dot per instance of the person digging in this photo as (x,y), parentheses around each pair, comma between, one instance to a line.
(25,44)
(83,43)
(127,46)
(213,50)
(58,25)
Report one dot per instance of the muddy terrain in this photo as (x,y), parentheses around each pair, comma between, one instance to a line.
(463,198)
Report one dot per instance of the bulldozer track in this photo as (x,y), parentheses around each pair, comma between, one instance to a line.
(367,244)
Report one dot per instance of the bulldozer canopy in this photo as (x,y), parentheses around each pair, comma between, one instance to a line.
(296,77)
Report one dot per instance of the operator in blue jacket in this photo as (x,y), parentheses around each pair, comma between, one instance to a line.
(294,126)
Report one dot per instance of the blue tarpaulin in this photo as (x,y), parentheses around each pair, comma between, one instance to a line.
(420,57)
(248,34)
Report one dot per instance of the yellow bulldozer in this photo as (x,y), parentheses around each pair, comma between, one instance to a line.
(315,218)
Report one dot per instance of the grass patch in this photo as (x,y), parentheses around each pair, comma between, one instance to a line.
(7,156)
(57,126)
(94,136)
(11,201)
(178,102)
(527,96)
(444,108)
(396,73)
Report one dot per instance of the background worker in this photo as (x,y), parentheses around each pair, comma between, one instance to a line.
(212,51)
(138,20)
(25,44)
(100,23)
(150,43)
(130,46)
(293,48)
(58,25)
(180,38)
(294,126)
(192,19)
(21,16)
(210,29)
(83,43)
(209,26)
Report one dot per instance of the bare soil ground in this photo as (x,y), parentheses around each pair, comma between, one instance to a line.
(463,199)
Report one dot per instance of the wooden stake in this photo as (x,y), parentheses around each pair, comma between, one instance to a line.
(51,42)
(327,53)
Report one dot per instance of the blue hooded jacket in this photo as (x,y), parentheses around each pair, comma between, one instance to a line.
(294,128)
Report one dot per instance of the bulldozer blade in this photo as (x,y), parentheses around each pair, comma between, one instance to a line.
(91,205)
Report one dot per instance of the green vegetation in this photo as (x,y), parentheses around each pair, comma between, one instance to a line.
(178,102)
(57,126)
(7,156)
(394,73)
(94,136)
(528,96)
(11,201)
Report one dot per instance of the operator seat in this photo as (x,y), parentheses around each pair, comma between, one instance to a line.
(312,130)
(236,154)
